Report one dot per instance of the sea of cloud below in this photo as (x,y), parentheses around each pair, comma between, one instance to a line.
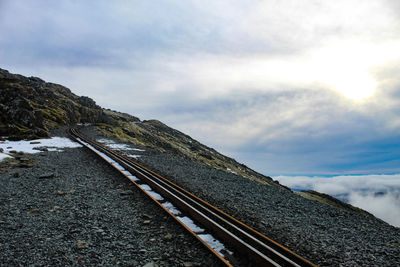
(377,194)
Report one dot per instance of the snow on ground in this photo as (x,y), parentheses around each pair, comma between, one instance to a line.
(214,243)
(189,223)
(137,149)
(3,156)
(148,189)
(52,144)
(169,206)
(111,144)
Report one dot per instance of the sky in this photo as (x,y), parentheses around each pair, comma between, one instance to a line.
(287,87)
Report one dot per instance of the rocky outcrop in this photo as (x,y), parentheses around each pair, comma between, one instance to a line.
(30,107)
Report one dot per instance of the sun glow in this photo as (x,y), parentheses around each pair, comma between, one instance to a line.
(345,69)
(355,85)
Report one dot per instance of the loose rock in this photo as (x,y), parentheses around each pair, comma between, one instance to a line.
(33,211)
(47,176)
(82,245)
(168,237)
(150,264)
(126,192)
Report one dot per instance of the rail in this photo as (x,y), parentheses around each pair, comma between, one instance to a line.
(230,241)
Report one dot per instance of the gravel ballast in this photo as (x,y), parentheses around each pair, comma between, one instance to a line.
(69,208)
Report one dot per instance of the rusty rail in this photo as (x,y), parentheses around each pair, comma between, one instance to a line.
(247,245)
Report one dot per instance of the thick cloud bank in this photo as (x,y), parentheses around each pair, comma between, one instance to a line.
(377,194)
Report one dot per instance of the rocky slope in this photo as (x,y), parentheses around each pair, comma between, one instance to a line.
(328,235)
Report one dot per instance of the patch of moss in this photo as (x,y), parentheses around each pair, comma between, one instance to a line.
(158,136)
(117,132)
(54,117)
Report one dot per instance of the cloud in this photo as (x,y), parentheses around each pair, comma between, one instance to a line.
(385,207)
(282,86)
(288,130)
(343,184)
(377,194)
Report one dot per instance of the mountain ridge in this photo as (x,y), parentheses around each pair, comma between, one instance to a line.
(30,108)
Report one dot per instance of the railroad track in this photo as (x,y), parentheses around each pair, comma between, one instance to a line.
(229,240)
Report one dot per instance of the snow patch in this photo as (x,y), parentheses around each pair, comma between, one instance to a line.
(126,173)
(133,178)
(111,144)
(113,162)
(3,156)
(137,149)
(155,195)
(189,223)
(53,144)
(148,189)
(169,206)
(145,187)
(214,243)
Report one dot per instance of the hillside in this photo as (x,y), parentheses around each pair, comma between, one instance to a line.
(30,108)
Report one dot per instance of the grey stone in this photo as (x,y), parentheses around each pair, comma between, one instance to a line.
(150,264)
(47,176)
(126,192)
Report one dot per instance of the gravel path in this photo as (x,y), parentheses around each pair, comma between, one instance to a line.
(326,235)
(69,208)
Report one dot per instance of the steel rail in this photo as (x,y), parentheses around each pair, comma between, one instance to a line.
(248,243)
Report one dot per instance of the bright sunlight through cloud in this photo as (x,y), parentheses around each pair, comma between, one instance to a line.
(353,84)
(346,68)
